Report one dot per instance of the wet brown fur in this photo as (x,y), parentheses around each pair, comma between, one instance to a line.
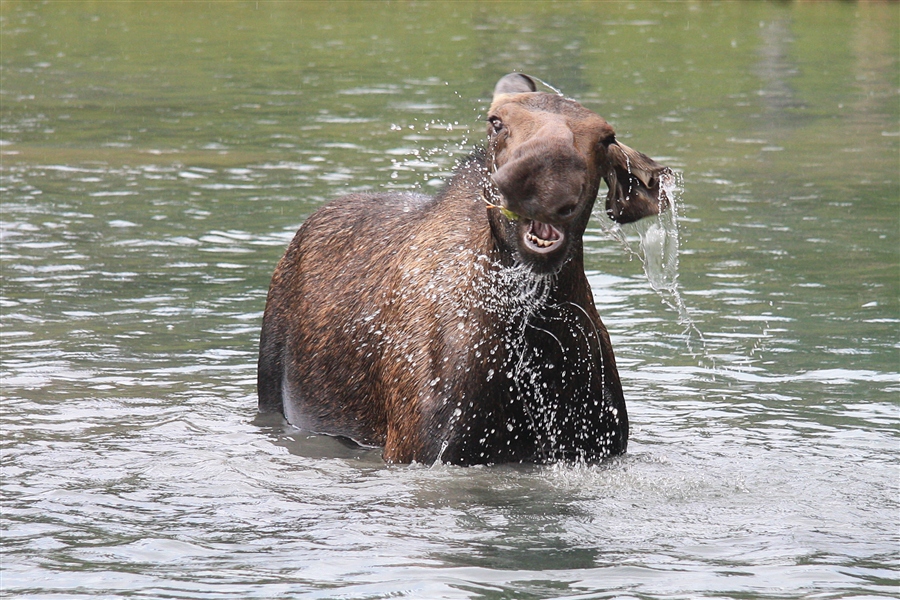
(426,326)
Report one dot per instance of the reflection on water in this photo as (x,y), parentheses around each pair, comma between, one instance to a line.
(156,161)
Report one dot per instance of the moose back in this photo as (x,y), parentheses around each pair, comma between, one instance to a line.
(462,327)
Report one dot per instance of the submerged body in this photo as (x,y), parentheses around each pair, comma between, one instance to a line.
(443,329)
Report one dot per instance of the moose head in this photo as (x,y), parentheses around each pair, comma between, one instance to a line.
(546,156)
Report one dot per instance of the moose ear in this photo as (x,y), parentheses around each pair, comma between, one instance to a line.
(514,83)
(634,181)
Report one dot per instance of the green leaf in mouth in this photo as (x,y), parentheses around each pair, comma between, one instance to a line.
(509,214)
(505,211)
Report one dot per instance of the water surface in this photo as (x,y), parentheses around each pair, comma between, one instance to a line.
(157,158)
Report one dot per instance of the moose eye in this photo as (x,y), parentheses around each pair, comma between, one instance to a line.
(496,124)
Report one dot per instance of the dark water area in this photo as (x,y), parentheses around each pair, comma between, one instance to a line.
(156,159)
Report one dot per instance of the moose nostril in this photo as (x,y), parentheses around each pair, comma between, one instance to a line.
(566,211)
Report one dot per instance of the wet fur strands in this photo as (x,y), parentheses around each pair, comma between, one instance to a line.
(461,327)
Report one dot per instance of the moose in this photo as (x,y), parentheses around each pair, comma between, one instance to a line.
(461,328)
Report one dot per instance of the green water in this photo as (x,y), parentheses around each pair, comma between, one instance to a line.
(157,158)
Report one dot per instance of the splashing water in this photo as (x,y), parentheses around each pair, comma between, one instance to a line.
(547,85)
(658,251)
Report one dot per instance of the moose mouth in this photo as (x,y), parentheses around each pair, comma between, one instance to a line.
(542,237)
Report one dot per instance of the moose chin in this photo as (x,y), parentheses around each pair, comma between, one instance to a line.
(462,327)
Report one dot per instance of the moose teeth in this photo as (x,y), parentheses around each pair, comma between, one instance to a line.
(541,243)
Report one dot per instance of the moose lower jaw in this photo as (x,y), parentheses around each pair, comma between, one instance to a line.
(542,238)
